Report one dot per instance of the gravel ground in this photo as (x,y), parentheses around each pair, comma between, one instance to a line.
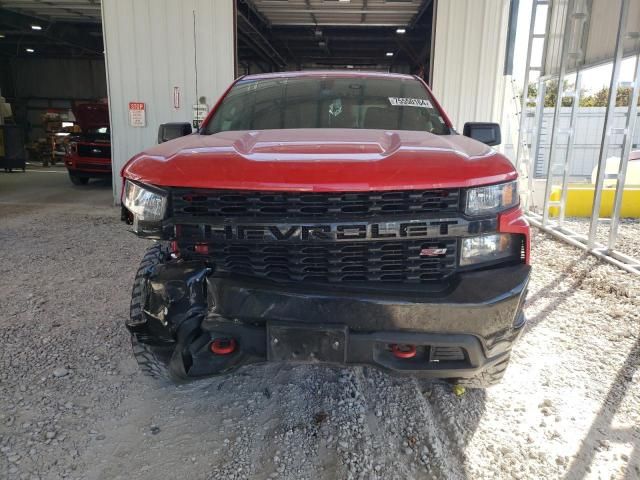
(628,233)
(72,404)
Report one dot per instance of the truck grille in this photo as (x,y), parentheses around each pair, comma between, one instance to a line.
(94,151)
(240,204)
(379,261)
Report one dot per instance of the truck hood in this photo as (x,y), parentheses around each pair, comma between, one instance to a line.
(320,160)
(91,115)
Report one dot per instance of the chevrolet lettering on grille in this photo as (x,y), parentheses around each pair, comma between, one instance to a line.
(336,232)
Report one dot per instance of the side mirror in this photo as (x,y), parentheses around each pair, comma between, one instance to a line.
(488,133)
(169,131)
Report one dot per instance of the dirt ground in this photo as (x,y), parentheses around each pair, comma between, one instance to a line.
(73,405)
(626,239)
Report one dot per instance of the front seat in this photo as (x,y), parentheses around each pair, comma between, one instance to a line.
(380,118)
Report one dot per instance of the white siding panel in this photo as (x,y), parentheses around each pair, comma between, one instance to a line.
(588,134)
(150,48)
(469,49)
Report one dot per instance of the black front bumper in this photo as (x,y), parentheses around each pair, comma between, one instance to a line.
(90,172)
(458,331)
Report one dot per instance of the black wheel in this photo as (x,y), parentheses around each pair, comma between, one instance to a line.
(152,360)
(487,378)
(77,180)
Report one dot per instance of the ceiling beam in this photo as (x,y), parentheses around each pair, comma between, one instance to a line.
(395,11)
(254,11)
(13,24)
(251,35)
(56,4)
(404,45)
(388,39)
(423,9)
(322,23)
(363,18)
(313,17)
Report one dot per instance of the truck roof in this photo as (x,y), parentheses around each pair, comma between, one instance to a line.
(327,73)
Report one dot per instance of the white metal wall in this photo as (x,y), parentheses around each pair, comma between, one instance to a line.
(468,63)
(150,48)
(589,123)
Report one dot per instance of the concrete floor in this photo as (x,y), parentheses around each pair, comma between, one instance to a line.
(51,186)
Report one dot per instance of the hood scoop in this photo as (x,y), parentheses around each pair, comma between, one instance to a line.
(274,146)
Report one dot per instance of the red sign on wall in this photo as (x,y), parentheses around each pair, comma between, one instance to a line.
(137,114)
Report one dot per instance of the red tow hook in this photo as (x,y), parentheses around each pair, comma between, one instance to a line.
(223,346)
(403,350)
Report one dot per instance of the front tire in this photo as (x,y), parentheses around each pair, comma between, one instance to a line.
(150,363)
(153,361)
(488,377)
(78,180)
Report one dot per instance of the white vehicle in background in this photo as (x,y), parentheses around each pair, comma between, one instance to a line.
(611,172)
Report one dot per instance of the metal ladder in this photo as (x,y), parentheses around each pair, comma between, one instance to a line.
(609,130)
(558,167)
(525,173)
(525,158)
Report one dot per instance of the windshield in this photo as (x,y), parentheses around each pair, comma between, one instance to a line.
(328,102)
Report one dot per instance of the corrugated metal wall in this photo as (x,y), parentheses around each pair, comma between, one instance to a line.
(588,135)
(57,78)
(150,48)
(469,52)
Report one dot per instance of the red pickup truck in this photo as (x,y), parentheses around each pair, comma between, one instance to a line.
(88,154)
(327,217)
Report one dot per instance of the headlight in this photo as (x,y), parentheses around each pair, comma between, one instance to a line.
(487,248)
(491,199)
(146,205)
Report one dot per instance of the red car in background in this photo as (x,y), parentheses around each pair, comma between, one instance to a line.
(89,152)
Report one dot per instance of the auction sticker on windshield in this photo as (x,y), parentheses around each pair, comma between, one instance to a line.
(410,102)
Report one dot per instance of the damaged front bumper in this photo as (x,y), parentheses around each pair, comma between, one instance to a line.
(203,323)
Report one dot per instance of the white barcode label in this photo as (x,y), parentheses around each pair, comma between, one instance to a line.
(410,102)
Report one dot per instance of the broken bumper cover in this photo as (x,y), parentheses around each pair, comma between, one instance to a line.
(456,332)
